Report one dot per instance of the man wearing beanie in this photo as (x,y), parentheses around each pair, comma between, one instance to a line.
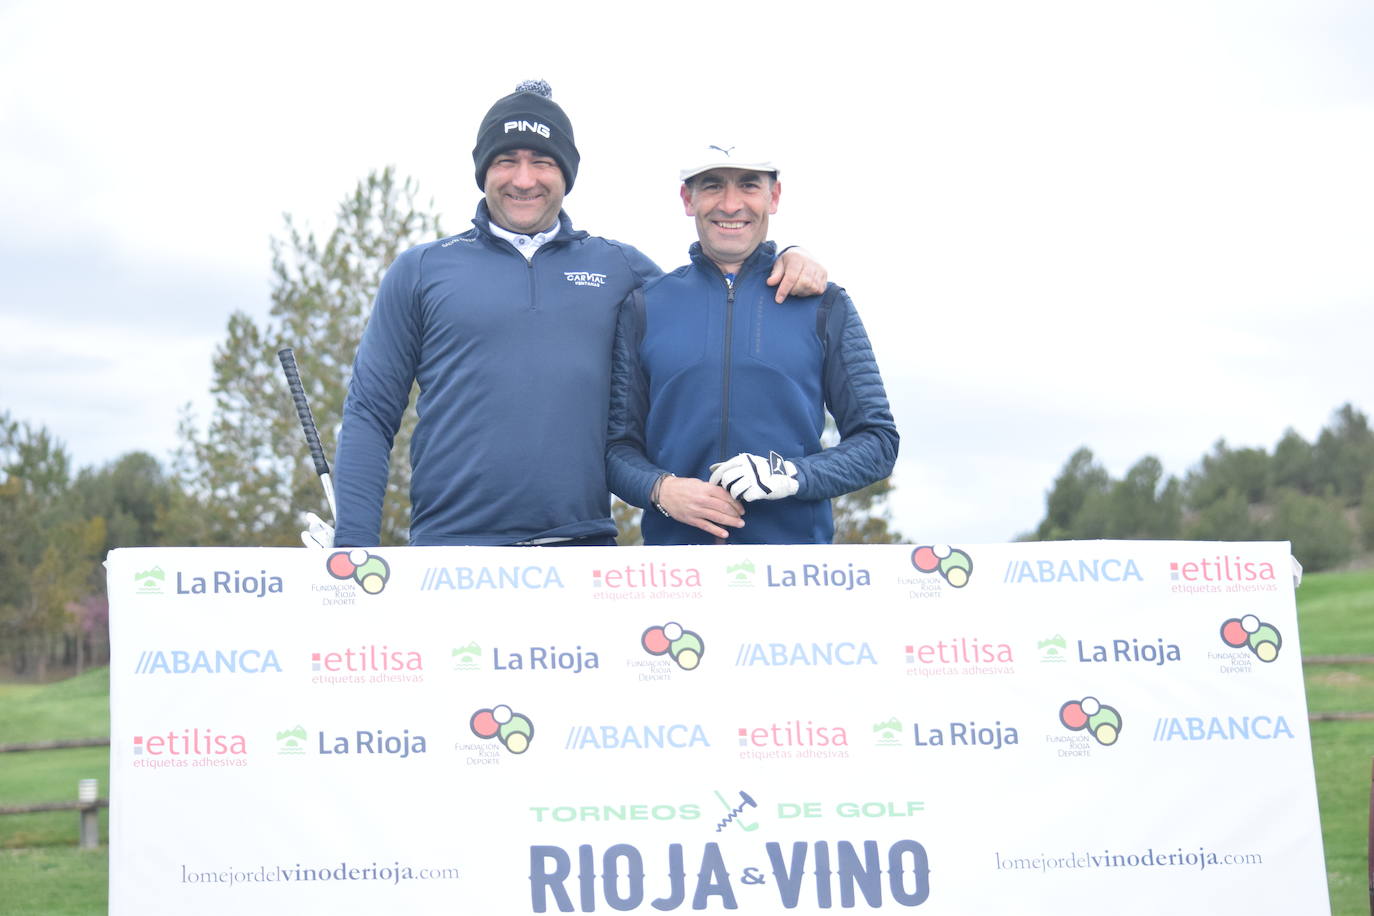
(507,328)
(699,427)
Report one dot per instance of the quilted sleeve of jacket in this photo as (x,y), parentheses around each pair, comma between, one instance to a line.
(857,400)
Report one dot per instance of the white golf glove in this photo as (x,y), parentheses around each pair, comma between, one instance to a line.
(749,477)
(318,532)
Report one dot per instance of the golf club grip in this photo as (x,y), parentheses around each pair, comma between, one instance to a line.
(312,436)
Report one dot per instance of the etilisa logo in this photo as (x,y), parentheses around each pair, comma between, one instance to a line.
(646,580)
(1097,719)
(792,739)
(954,565)
(969,656)
(190,747)
(369,663)
(1222,573)
(683,646)
(484,578)
(583,278)
(513,730)
(150,581)
(208,661)
(368,570)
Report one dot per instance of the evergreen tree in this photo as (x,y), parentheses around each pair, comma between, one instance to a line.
(249,468)
(1245,471)
(1315,526)
(1145,505)
(1344,455)
(1225,519)
(1292,465)
(1075,507)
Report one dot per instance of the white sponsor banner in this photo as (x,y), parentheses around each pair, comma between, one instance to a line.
(1077,727)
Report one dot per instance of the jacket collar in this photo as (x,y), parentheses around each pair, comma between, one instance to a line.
(566,232)
(760,256)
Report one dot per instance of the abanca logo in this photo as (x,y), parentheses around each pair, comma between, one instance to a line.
(207,661)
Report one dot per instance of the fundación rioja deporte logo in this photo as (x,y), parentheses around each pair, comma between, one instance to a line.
(370,571)
(1101,721)
(954,565)
(514,730)
(1250,632)
(682,646)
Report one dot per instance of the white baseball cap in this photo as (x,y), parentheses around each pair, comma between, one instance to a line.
(726,157)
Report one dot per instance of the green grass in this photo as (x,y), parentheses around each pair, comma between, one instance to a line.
(42,871)
(78,707)
(49,875)
(1336,617)
(1341,753)
(53,881)
(1336,614)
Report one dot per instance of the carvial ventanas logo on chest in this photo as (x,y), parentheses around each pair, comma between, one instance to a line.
(585,278)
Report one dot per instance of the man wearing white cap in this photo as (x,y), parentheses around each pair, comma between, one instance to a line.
(719,392)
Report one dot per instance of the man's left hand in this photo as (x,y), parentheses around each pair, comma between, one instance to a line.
(796,272)
(750,477)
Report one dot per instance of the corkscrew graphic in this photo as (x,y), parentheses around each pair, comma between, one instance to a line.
(746,802)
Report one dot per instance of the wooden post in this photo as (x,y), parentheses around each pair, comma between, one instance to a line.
(87,793)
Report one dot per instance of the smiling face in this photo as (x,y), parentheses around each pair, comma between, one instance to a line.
(524,191)
(731,207)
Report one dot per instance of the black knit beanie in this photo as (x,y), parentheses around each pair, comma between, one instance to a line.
(528,118)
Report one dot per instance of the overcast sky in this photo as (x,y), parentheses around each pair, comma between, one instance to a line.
(1137,227)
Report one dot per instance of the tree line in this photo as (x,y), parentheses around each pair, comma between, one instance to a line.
(1318,495)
